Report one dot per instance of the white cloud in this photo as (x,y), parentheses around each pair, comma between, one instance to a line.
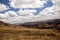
(7,15)
(56,2)
(11,13)
(13,17)
(25,12)
(28,15)
(3,16)
(27,3)
(3,7)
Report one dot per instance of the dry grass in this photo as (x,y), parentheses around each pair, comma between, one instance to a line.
(23,33)
(30,32)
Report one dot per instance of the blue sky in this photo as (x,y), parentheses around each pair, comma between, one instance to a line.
(6,2)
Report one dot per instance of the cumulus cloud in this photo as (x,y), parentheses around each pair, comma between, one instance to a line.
(27,3)
(22,16)
(56,2)
(13,17)
(11,13)
(7,15)
(25,12)
(3,16)
(3,7)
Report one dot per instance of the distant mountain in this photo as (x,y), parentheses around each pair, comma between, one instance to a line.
(43,24)
(47,24)
(2,24)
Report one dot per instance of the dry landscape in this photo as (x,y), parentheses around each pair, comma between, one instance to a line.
(21,32)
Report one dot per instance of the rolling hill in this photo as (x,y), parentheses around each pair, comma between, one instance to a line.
(44,30)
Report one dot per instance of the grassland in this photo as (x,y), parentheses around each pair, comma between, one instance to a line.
(30,32)
(24,33)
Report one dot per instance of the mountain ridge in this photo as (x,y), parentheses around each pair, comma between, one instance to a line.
(38,24)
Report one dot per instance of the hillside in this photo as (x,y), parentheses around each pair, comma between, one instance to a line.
(47,24)
(31,31)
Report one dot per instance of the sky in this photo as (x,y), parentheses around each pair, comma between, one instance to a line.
(21,11)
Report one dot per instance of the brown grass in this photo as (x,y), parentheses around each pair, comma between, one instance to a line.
(23,33)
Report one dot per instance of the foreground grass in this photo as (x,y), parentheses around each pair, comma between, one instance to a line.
(23,33)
